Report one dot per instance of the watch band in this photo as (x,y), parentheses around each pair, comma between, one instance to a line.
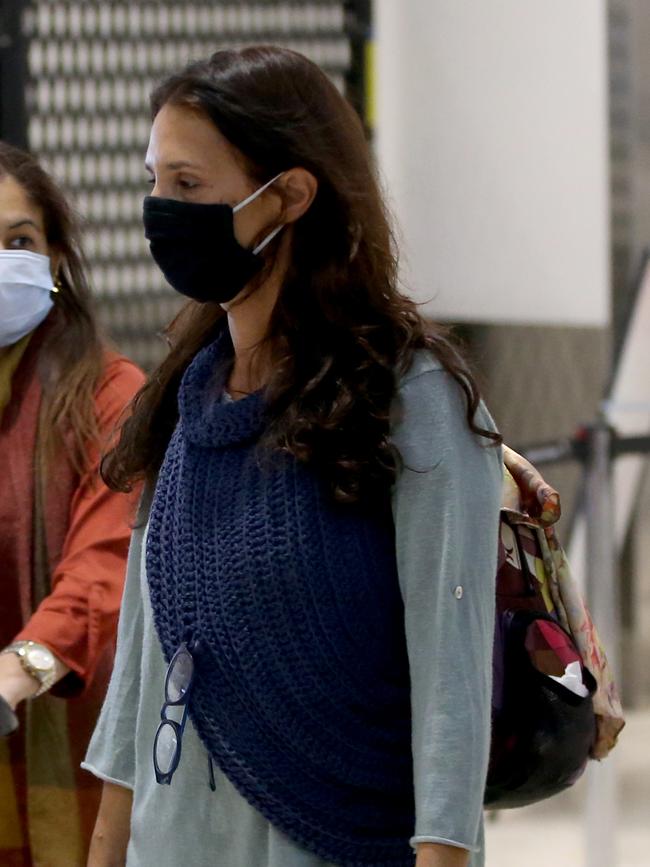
(46,676)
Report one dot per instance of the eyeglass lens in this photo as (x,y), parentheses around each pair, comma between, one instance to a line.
(166,747)
(180,675)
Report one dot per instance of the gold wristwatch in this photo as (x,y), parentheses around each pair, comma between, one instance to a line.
(37,660)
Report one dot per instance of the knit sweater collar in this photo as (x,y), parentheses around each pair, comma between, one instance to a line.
(208,421)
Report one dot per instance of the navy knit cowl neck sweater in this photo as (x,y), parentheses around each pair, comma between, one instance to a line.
(301,692)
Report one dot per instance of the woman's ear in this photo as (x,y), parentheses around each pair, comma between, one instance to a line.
(299,188)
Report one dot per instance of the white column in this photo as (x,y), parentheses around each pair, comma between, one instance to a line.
(492,135)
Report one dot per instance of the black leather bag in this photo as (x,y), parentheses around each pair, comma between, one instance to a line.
(542,731)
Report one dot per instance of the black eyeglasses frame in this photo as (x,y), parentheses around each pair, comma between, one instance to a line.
(165,777)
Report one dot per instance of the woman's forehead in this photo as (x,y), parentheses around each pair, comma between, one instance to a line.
(182,137)
(16,206)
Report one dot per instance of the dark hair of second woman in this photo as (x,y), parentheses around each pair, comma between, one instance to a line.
(72,356)
(341,332)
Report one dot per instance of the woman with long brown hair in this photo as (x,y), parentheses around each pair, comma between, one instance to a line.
(304,655)
(63,534)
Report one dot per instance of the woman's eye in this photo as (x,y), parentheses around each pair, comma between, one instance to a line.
(151,181)
(21,242)
(184,184)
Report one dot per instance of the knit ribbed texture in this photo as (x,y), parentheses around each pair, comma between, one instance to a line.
(302,690)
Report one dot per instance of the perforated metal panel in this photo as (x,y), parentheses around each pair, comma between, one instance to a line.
(91,67)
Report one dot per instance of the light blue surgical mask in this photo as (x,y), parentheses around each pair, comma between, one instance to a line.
(26,288)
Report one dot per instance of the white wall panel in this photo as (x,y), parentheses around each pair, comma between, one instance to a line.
(492,138)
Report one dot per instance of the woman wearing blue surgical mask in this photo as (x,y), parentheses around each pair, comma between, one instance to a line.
(63,534)
(303,667)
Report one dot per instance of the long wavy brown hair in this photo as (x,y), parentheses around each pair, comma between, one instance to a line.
(341,332)
(71,358)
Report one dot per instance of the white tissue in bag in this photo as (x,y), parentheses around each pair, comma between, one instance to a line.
(572,679)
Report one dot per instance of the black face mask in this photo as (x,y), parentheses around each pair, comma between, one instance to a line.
(195,247)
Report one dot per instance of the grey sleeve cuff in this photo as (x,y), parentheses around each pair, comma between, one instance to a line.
(444,841)
(106,777)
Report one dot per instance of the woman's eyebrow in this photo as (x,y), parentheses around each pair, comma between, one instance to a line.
(25,222)
(179,164)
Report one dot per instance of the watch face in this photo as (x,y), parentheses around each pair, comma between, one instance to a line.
(40,658)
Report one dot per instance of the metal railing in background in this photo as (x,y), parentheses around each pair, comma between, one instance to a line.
(599,527)
(597,448)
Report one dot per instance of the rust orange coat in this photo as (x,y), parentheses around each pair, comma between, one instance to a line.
(77,620)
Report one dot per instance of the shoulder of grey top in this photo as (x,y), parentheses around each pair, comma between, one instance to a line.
(423,362)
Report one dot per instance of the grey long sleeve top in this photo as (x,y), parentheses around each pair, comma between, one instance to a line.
(445,503)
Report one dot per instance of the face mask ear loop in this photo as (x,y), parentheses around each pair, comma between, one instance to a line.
(250,199)
(257,193)
(267,240)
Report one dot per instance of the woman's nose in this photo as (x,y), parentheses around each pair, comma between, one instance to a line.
(161,190)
